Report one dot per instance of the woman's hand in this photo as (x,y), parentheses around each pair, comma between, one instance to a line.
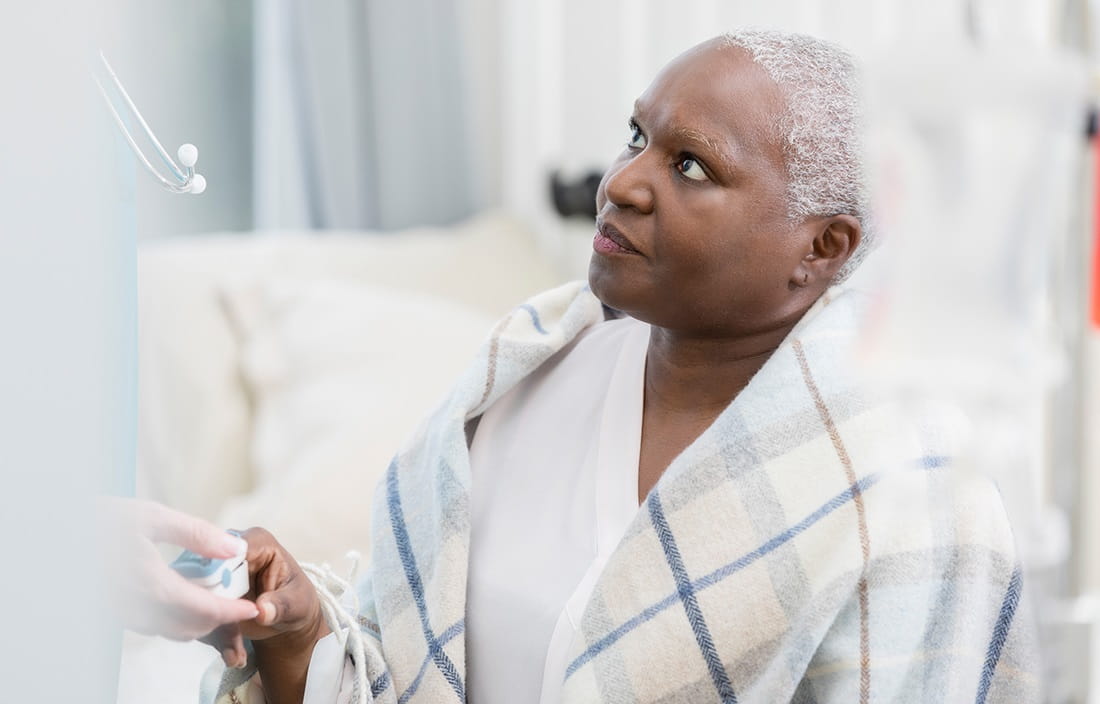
(289,623)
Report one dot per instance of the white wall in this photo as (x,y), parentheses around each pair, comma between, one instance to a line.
(1089,548)
(66,360)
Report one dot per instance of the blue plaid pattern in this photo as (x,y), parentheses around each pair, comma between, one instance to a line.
(685,594)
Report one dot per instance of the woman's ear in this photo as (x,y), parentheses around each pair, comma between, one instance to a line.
(835,239)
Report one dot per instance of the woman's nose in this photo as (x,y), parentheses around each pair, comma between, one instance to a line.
(628,183)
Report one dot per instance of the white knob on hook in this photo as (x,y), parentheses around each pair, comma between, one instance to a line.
(198,184)
(188,154)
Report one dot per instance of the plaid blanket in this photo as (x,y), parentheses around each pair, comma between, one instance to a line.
(813,545)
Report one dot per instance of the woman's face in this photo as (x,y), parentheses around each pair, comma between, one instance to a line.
(692,228)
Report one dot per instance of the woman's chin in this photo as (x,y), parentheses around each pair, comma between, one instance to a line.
(600,280)
(611,287)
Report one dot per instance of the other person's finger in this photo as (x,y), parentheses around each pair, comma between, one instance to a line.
(164,524)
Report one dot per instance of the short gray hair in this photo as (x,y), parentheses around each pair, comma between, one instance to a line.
(821,130)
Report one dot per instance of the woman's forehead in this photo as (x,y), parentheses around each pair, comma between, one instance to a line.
(717,94)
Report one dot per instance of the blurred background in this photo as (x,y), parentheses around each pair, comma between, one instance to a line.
(374,163)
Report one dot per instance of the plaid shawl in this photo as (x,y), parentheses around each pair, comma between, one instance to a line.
(813,545)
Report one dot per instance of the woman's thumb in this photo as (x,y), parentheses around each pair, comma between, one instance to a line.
(269,610)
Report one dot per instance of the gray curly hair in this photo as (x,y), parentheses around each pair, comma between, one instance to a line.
(820,130)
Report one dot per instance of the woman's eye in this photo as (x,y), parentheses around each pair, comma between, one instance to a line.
(637,139)
(689,167)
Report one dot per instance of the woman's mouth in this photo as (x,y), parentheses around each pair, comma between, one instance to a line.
(609,240)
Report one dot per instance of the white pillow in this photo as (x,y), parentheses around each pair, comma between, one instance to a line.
(193,416)
(195,419)
(339,374)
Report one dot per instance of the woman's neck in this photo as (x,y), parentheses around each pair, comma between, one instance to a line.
(689,381)
(700,375)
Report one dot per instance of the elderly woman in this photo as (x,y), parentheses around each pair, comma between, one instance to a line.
(665,486)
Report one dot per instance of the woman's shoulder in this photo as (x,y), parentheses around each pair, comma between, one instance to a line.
(944,505)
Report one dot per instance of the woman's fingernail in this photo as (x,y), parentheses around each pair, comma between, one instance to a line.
(255,612)
(267,611)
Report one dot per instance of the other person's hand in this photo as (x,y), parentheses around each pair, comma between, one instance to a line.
(149,596)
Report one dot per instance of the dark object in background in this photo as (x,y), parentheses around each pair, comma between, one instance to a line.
(575,197)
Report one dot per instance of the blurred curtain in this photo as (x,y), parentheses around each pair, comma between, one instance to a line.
(360,118)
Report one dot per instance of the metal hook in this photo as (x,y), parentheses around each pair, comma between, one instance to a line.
(181,179)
